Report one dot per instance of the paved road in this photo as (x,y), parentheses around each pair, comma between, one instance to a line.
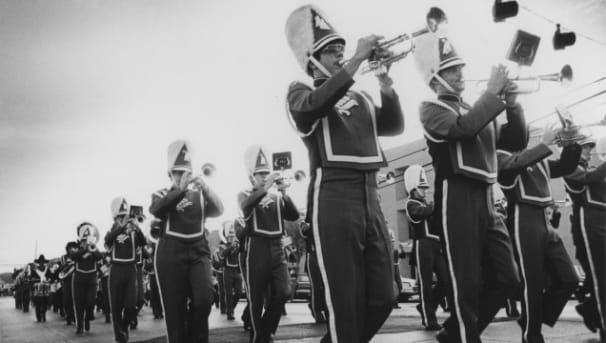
(297,326)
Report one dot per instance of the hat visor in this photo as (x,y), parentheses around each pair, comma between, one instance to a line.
(261,170)
(324,41)
(181,168)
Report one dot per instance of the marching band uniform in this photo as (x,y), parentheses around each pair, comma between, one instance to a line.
(232,278)
(317,300)
(462,143)
(66,274)
(104,270)
(26,289)
(154,294)
(587,189)
(140,286)
(524,178)
(219,268)
(123,240)
(84,280)
(340,128)
(240,230)
(182,258)
(266,266)
(41,287)
(428,248)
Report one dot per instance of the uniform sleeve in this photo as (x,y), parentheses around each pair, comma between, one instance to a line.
(289,209)
(213,206)
(443,123)
(390,119)
(515,128)
(110,237)
(586,177)
(163,201)
(512,164)
(418,211)
(241,231)
(140,238)
(307,105)
(569,159)
(248,201)
(229,250)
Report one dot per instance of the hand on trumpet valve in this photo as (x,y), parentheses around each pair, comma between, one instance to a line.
(367,46)
(499,78)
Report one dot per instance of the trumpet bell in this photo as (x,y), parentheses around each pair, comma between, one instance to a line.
(208,169)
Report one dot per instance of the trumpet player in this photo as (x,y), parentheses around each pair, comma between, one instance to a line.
(182,258)
(340,128)
(232,278)
(123,240)
(84,281)
(524,177)
(586,186)
(264,213)
(462,140)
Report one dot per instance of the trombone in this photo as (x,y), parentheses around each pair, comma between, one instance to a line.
(383,57)
(563,76)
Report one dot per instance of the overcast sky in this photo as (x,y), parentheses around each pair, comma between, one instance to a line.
(93,91)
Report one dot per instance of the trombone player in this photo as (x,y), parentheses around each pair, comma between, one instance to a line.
(340,128)
(462,141)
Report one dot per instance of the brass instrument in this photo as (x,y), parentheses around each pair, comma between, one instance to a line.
(89,237)
(565,75)
(383,57)
(571,132)
(208,169)
(286,180)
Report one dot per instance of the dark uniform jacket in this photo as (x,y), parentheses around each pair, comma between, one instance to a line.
(340,126)
(587,186)
(524,176)
(85,260)
(124,244)
(265,212)
(231,255)
(462,139)
(183,212)
(418,212)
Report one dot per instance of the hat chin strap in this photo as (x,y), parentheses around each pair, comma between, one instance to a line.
(444,83)
(319,66)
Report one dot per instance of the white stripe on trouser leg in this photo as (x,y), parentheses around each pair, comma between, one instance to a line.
(455,289)
(516,223)
(160,289)
(420,276)
(592,268)
(320,257)
(248,293)
(311,284)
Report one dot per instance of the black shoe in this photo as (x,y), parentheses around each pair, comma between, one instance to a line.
(420,310)
(133,324)
(589,323)
(230,317)
(433,327)
(87,325)
(79,330)
(69,322)
(108,320)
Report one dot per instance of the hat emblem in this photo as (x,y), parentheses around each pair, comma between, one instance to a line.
(320,23)
(261,159)
(123,206)
(446,47)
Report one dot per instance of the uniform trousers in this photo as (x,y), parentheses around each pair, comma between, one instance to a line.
(540,252)
(84,289)
(183,271)
(354,252)
(479,256)
(232,280)
(430,260)
(68,300)
(122,282)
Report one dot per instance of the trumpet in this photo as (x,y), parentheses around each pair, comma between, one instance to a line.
(563,76)
(286,180)
(208,169)
(383,57)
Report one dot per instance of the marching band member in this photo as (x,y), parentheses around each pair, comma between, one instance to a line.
(339,127)
(218,263)
(232,278)
(587,187)
(104,270)
(182,258)
(66,274)
(524,177)
(41,286)
(84,281)
(266,266)
(429,257)
(123,240)
(154,294)
(240,230)
(140,286)
(462,143)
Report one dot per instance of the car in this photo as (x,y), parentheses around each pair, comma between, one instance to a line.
(410,289)
(302,287)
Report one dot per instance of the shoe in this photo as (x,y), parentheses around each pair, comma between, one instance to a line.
(69,322)
(582,311)
(134,323)
(420,310)
(87,325)
(433,327)
(108,320)
(230,317)
(79,330)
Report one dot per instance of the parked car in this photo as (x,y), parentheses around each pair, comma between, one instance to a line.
(410,289)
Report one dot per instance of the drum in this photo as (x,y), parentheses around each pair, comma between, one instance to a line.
(41,289)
